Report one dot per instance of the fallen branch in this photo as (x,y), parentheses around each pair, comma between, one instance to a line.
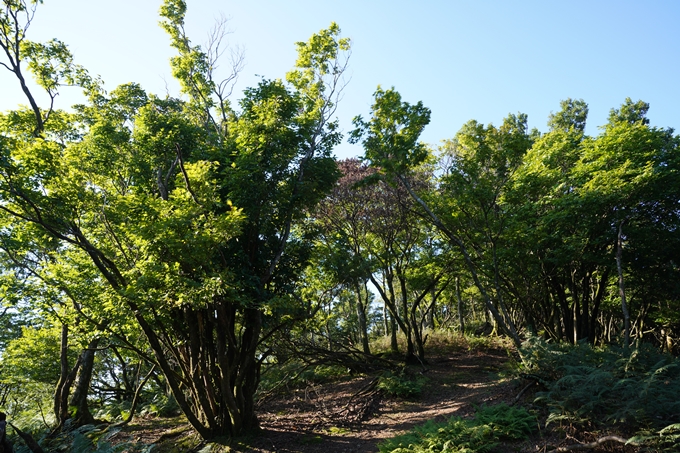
(28,439)
(591,445)
(135,399)
(522,392)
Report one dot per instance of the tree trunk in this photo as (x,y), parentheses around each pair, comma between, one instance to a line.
(82,415)
(394,344)
(361,315)
(461,321)
(63,387)
(66,379)
(622,288)
(135,398)
(408,321)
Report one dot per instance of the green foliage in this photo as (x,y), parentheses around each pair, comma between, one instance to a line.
(52,65)
(390,137)
(508,422)
(32,357)
(324,373)
(180,218)
(91,439)
(162,405)
(572,116)
(294,374)
(491,425)
(401,384)
(29,406)
(666,440)
(636,387)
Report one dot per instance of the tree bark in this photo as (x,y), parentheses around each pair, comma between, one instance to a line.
(361,315)
(461,321)
(622,288)
(82,415)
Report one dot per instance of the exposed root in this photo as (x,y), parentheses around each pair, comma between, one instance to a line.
(591,445)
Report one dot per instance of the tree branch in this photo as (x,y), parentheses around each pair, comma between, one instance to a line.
(591,445)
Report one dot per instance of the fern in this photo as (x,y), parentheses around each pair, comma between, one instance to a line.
(401,385)
(491,425)
(638,387)
(508,422)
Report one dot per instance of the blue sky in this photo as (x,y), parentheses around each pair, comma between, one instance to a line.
(465,60)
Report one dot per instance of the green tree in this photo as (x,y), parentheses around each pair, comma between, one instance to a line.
(390,140)
(478,166)
(191,227)
(344,219)
(582,203)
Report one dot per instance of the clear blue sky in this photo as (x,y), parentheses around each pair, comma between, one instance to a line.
(465,60)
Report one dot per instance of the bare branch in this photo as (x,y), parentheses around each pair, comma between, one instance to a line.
(185,175)
(12,34)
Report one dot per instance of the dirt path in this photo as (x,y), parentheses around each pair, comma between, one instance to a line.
(309,420)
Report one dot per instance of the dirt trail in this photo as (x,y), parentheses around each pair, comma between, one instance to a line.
(303,420)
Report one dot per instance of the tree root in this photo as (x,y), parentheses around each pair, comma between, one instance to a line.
(591,445)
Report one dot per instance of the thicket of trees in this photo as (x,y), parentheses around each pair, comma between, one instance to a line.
(185,245)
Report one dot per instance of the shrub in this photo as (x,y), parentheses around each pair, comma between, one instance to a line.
(401,385)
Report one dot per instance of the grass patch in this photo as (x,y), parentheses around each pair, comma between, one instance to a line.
(311,440)
(442,342)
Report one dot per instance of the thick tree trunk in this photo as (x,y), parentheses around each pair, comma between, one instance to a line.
(218,372)
(82,415)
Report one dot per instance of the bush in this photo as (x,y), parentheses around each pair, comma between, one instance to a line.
(162,405)
(401,385)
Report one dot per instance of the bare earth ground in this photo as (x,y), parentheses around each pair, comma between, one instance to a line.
(305,423)
(324,418)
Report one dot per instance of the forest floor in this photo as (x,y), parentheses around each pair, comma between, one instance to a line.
(332,418)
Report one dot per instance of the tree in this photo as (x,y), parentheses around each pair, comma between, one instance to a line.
(479,164)
(344,218)
(582,203)
(191,227)
(390,141)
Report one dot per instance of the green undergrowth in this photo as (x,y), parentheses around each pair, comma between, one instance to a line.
(490,426)
(441,341)
(634,390)
(297,375)
(402,384)
(86,439)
